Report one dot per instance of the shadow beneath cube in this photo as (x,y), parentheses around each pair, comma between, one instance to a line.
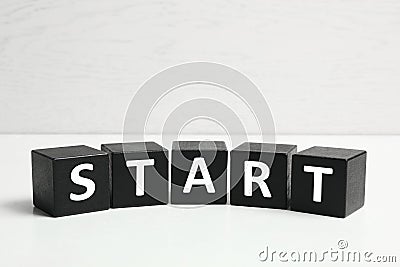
(24,207)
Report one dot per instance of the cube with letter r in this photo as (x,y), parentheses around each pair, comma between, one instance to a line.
(328,181)
(70,180)
(260,175)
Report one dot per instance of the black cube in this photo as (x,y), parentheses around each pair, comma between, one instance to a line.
(328,181)
(199,172)
(260,175)
(70,180)
(138,174)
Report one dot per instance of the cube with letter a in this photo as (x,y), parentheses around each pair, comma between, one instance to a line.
(199,172)
(328,181)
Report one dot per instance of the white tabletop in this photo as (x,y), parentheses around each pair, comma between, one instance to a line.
(208,236)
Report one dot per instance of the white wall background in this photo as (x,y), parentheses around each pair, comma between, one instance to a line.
(324,66)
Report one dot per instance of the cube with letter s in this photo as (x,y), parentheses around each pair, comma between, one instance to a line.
(70,180)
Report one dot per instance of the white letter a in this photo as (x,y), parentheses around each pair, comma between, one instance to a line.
(199,162)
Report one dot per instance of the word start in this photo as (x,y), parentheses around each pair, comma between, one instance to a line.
(79,179)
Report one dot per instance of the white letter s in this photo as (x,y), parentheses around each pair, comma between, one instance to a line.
(79,180)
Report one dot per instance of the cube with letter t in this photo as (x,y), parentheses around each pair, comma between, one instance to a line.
(260,175)
(70,180)
(138,174)
(199,172)
(328,181)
